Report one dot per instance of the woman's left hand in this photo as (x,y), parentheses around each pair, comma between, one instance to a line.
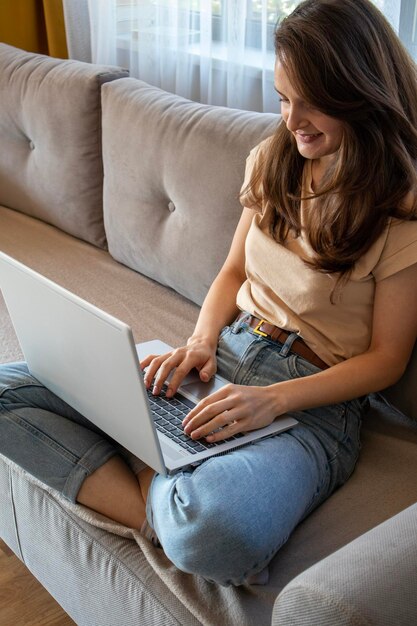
(233,409)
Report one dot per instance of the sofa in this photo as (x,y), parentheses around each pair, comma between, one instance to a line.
(128,196)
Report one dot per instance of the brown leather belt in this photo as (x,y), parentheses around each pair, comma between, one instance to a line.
(264,329)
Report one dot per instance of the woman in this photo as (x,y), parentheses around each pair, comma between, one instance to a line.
(314,308)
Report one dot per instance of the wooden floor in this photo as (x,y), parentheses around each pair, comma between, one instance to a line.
(23,600)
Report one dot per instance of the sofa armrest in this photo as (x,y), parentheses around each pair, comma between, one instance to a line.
(370,581)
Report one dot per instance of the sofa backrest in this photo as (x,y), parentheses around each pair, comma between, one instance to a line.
(50,138)
(173,170)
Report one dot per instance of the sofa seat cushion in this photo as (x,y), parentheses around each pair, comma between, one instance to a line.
(50,157)
(173,169)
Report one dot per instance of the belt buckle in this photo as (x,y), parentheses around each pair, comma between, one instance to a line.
(260,332)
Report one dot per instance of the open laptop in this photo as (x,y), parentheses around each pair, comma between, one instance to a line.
(89,359)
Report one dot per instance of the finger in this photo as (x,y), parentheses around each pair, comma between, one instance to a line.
(178,376)
(219,422)
(202,413)
(146,361)
(185,363)
(153,367)
(208,422)
(208,370)
(209,401)
(226,432)
(164,370)
(216,427)
(190,361)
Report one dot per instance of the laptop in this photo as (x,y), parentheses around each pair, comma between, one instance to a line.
(89,359)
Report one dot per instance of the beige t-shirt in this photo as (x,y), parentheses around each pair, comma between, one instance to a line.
(283,290)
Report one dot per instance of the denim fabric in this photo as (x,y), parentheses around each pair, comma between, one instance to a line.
(45,436)
(228,517)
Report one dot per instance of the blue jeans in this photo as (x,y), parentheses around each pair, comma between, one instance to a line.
(228,517)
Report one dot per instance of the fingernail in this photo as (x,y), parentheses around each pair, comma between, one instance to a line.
(155,390)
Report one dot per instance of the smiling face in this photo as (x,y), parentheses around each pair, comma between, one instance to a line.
(318,136)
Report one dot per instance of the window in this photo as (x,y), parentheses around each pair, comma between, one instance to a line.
(212,51)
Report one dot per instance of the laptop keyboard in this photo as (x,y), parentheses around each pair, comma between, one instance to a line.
(168,414)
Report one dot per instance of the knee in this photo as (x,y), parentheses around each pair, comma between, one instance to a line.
(216,549)
(209,538)
(13,375)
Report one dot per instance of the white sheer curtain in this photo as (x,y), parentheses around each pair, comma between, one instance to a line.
(211,51)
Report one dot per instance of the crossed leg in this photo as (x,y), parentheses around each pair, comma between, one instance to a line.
(113,490)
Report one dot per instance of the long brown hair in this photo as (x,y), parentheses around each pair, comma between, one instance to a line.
(346,61)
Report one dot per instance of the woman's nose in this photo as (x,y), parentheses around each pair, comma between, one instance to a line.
(295,118)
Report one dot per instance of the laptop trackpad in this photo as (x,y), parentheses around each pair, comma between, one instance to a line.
(200,390)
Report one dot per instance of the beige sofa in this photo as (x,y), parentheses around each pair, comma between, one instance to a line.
(143,242)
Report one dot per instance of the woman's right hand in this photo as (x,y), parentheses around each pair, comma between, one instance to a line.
(198,353)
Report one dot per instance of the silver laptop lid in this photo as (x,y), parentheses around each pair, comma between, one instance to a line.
(85,356)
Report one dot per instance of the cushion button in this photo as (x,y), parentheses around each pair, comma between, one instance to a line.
(31,145)
(171,207)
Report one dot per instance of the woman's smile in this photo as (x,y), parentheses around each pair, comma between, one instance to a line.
(307,138)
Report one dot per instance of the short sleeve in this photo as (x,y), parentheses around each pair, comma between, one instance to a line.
(400,249)
(250,197)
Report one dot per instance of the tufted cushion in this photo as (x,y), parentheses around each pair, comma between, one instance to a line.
(173,170)
(50,157)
